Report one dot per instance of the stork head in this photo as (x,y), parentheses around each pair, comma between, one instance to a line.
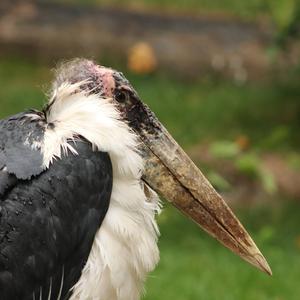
(168,170)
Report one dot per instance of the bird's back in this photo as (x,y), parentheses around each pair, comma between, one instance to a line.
(49,217)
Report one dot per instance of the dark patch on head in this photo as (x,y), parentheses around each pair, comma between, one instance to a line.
(140,118)
(121,95)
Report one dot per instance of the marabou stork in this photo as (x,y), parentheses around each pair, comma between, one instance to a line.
(78,186)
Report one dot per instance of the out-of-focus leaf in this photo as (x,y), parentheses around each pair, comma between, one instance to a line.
(294,161)
(251,166)
(279,135)
(268,182)
(218,181)
(224,149)
(266,233)
(283,12)
(248,164)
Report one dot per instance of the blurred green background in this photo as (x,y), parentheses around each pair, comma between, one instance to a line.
(243,135)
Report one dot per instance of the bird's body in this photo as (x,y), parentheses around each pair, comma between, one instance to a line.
(55,170)
(78,183)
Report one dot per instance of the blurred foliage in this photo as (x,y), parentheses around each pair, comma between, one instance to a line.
(218,181)
(294,160)
(251,165)
(279,135)
(224,149)
(247,163)
(283,12)
(286,16)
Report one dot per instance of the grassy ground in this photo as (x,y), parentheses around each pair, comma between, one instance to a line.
(193,266)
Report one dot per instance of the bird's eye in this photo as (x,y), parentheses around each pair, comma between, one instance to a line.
(121,96)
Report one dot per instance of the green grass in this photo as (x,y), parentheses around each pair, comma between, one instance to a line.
(22,86)
(194,266)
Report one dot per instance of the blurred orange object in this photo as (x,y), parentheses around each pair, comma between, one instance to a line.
(242,142)
(142,59)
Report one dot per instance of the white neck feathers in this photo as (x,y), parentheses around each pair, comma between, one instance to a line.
(125,246)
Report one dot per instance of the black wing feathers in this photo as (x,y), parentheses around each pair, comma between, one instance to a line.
(48,223)
(7,182)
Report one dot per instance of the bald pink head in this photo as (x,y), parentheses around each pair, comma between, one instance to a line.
(99,79)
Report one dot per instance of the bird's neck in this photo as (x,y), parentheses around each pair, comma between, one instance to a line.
(125,247)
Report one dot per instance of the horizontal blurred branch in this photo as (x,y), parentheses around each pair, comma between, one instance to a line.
(190,46)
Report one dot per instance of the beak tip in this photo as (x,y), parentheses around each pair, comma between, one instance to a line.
(269,272)
(266,268)
(262,264)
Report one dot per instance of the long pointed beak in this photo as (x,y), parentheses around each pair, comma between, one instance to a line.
(169,171)
(173,175)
